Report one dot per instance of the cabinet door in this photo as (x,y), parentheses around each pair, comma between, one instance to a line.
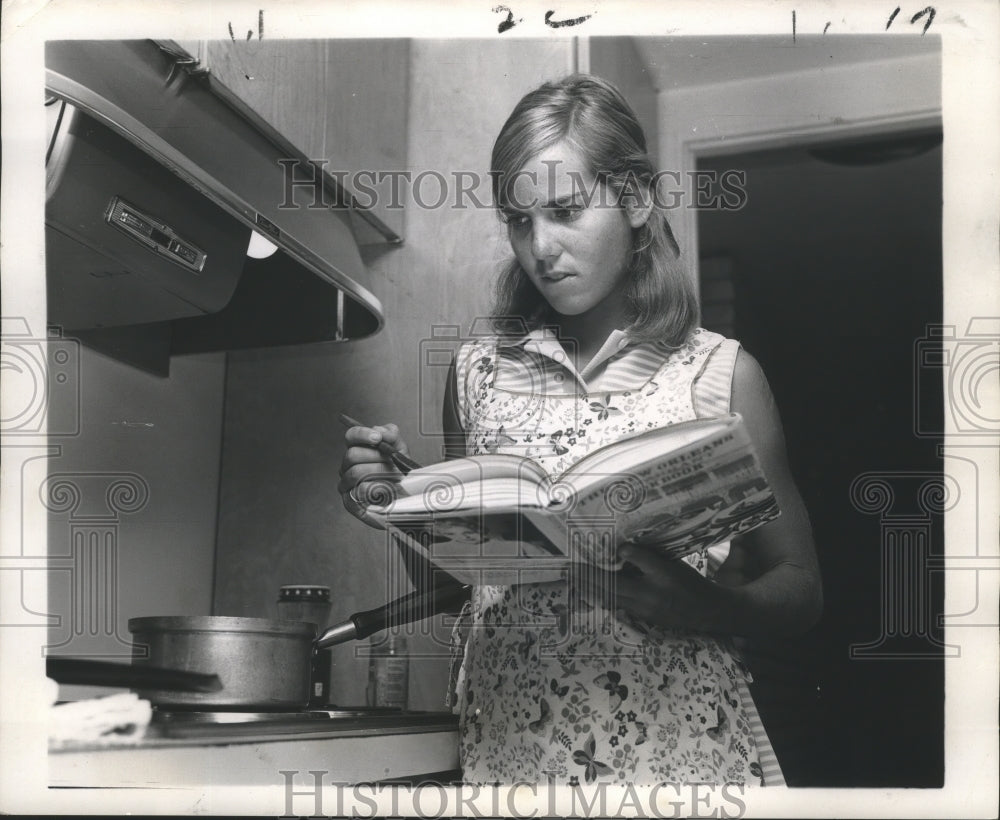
(366,119)
(279,82)
(338,102)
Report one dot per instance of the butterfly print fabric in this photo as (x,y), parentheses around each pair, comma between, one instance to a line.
(567,693)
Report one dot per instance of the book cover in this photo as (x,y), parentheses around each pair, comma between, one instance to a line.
(501,519)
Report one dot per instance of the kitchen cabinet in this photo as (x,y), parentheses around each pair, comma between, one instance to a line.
(340,103)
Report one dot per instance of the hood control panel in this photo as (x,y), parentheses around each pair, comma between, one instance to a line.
(155,235)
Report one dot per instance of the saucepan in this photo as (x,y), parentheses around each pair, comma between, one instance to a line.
(218,663)
(263,664)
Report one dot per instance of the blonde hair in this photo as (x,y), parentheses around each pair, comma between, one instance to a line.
(595,118)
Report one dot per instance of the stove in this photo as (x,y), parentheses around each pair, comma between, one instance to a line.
(189,748)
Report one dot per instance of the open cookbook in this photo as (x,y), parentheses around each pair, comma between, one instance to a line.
(500,518)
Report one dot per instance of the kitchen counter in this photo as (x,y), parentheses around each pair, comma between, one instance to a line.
(348,750)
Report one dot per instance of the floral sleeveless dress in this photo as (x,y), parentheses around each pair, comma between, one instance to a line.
(556,689)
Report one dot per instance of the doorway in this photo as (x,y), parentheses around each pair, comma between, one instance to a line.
(830,275)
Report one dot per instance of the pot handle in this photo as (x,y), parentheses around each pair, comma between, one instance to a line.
(132,676)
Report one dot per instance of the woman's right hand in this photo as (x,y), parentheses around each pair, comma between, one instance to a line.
(366,472)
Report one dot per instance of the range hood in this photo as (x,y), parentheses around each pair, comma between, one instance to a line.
(154,188)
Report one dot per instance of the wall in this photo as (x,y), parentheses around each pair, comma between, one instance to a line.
(132,497)
(617,60)
(280,516)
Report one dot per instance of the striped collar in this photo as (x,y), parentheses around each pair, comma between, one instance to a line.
(620,364)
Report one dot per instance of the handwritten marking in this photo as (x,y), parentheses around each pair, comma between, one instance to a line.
(260,35)
(563,23)
(930,12)
(260,28)
(508,24)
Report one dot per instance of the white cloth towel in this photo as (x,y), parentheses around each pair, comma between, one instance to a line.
(114,720)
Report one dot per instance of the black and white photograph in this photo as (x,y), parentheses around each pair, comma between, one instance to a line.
(526,410)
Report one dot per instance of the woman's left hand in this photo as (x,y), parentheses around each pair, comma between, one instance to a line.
(770,584)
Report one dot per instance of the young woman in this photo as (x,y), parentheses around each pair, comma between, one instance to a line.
(597,339)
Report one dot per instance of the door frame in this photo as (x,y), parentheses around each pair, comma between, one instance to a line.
(846,101)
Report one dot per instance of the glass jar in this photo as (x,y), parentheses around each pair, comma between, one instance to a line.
(309,602)
(388,672)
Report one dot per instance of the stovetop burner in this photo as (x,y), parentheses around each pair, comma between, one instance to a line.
(224,717)
(225,726)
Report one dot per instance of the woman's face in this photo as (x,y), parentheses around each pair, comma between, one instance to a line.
(575,251)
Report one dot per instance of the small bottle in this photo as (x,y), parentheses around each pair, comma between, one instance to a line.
(307,602)
(388,672)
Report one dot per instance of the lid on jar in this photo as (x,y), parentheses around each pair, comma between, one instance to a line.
(304,592)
